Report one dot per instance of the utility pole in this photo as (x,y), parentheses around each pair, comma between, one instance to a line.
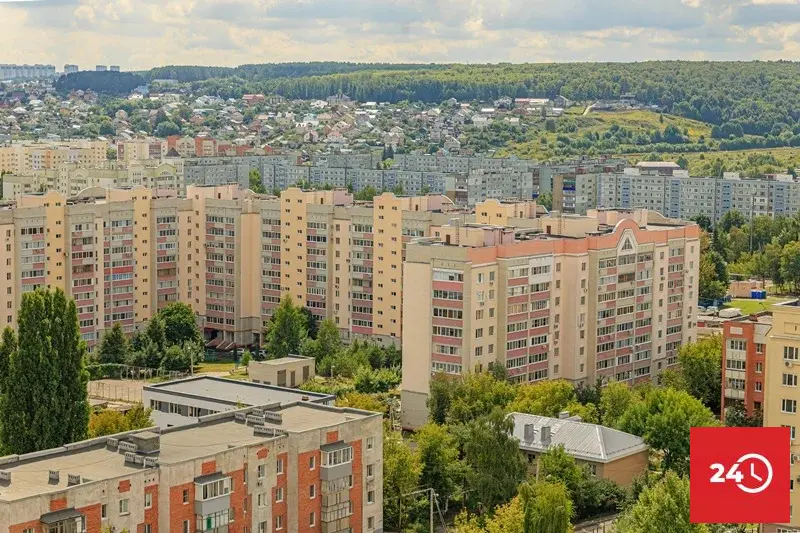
(431,495)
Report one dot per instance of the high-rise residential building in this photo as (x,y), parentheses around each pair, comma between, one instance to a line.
(114,68)
(101,68)
(230,254)
(27,157)
(11,72)
(744,343)
(781,396)
(70,69)
(299,467)
(610,295)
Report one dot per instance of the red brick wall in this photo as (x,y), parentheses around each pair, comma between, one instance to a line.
(124,485)
(19,528)
(262,453)
(332,436)
(151,514)
(306,478)
(279,509)
(209,467)
(357,492)
(58,504)
(93,518)
(237,501)
(179,511)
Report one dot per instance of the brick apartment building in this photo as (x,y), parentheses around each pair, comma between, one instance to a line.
(744,342)
(230,254)
(299,468)
(611,295)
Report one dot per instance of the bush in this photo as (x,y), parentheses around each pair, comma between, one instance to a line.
(106,371)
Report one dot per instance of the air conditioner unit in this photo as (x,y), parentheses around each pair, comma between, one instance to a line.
(260,483)
(787,363)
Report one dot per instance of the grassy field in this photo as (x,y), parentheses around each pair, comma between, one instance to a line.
(740,160)
(204,368)
(755,306)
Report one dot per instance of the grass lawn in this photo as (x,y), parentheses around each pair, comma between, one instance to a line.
(755,306)
(202,368)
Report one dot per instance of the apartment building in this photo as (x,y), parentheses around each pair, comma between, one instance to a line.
(744,343)
(298,468)
(27,157)
(70,179)
(782,366)
(610,295)
(12,72)
(679,195)
(141,150)
(213,250)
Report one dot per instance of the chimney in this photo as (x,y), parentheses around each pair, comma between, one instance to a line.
(563,415)
(546,435)
(530,433)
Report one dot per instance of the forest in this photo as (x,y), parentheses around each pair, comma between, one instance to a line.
(114,83)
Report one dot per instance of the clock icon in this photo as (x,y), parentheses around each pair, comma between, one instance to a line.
(758,469)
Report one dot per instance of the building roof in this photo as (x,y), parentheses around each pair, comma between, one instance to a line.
(291,358)
(587,442)
(98,459)
(658,164)
(235,392)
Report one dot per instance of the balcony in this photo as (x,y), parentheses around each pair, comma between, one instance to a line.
(63,521)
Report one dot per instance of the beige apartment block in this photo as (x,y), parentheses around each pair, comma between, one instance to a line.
(231,254)
(26,157)
(781,396)
(609,295)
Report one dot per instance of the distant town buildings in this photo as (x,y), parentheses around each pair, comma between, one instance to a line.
(71,69)
(13,72)
(101,68)
(114,68)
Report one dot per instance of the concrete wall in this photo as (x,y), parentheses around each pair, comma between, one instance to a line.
(267,371)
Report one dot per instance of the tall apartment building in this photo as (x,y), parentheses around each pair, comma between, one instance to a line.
(781,396)
(141,150)
(12,72)
(27,157)
(744,343)
(611,295)
(676,194)
(70,179)
(230,254)
(70,69)
(299,468)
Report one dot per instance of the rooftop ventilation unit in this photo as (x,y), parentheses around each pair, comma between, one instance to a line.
(53,476)
(73,479)
(240,416)
(130,457)
(112,442)
(5,475)
(126,446)
(256,420)
(273,417)
(150,462)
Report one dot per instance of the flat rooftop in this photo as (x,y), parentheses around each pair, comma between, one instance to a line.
(96,460)
(235,392)
(283,360)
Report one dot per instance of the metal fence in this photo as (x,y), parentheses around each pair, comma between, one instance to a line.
(121,392)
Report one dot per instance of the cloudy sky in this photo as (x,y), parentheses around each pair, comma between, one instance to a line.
(138,34)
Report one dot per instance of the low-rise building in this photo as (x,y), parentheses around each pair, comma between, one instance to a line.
(608,453)
(299,468)
(184,401)
(291,371)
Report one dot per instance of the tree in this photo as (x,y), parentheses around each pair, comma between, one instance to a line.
(246,358)
(790,265)
(545,200)
(110,422)
(704,222)
(367,194)
(311,321)
(286,329)
(496,466)
(664,420)
(327,342)
(401,473)
(180,324)
(547,508)
(256,185)
(545,398)
(615,399)
(700,370)
(175,359)
(156,332)
(683,162)
(731,219)
(45,404)
(114,346)
(8,346)
(439,455)
(439,398)
(662,508)
(476,395)
(736,416)
(366,402)
(167,128)
(712,286)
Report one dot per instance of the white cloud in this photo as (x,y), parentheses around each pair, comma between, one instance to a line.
(140,34)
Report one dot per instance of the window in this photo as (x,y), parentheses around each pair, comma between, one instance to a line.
(370,471)
(147,528)
(216,488)
(371,522)
(788,406)
(262,527)
(370,442)
(185,496)
(790,380)
(103,511)
(757,386)
(312,462)
(185,526)
(371,496)
(279,466)
(790,427)
(279,522)
(148,500)
(261,500)
(735,344)
(123,506)
(338,457)
(312,492)
(279,494)
(791,353)
(759,368)
(312,519)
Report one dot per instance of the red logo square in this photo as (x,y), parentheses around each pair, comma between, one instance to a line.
(740,475)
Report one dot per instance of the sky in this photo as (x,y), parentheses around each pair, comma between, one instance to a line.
(139,34)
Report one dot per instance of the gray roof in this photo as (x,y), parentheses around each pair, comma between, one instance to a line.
(587,442)
(233,392)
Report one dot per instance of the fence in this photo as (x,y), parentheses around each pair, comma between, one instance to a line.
(599,525)
(129,392)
